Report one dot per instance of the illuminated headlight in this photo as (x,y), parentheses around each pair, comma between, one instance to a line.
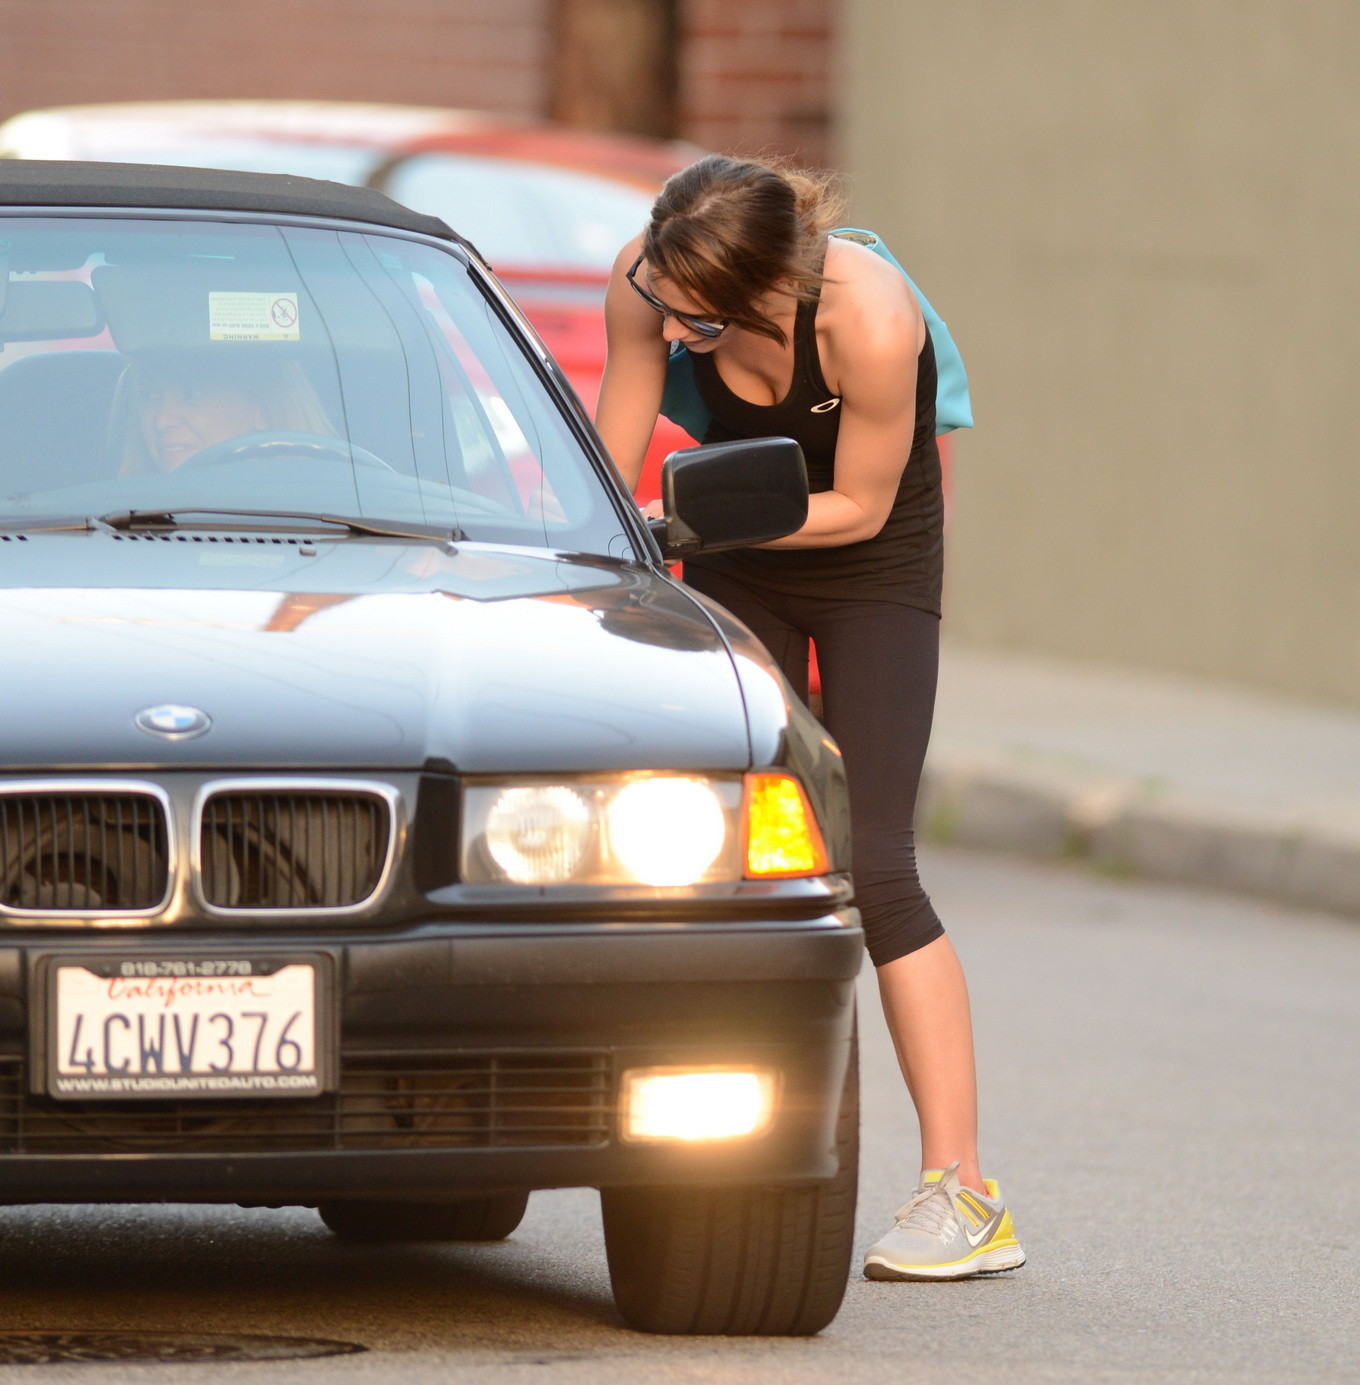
(663,830)
(696,1104)
(539,834)
(638,829)
(667,831)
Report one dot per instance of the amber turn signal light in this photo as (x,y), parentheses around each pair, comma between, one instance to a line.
(781,832)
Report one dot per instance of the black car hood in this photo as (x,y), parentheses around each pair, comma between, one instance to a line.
(371,654)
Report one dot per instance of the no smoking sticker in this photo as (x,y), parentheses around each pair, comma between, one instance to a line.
(253,317)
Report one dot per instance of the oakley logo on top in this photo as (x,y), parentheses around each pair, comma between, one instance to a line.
(826,407)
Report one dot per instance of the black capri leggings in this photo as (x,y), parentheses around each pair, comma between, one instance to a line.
(879,662)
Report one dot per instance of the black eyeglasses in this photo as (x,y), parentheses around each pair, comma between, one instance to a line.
(695,324)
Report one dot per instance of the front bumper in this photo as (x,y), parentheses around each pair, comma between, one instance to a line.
(454,998)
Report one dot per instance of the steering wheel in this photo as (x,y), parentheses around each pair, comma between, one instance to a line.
(256,447)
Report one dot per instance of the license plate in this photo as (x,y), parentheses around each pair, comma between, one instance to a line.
(186,1027)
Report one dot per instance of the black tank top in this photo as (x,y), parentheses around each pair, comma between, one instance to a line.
(904,561)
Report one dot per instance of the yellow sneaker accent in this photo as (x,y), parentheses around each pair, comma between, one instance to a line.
(939,1234)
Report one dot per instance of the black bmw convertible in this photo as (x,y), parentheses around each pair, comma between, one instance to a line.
(382,827)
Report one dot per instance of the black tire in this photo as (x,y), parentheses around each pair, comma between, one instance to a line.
(737,1261)
(490,1218)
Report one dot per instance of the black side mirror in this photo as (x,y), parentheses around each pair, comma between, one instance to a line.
(731,495)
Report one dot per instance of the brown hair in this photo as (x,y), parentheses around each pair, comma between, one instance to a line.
(727,231)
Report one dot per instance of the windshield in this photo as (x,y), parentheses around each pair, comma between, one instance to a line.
(174,364)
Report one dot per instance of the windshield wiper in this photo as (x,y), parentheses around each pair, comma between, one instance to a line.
(125,520)
(54,524)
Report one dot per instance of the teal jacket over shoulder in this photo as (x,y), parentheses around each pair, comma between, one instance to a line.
(681,404)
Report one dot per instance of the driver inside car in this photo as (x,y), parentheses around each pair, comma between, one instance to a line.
(178,408)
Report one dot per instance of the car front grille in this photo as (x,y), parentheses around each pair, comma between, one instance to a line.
(308,848)
(83,851)
(426,1101)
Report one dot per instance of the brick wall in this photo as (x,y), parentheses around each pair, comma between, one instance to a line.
(426,52)
(757,75)
(753,74)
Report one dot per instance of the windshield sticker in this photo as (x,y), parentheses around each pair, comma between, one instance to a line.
(253,317)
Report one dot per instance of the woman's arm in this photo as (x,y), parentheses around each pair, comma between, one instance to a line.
(634,372)
(874,341)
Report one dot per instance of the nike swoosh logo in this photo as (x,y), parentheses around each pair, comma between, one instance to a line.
(988,1228)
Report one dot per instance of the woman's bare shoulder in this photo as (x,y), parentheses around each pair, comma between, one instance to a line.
(866,303)
(855,275)
(623,261)
(629,323)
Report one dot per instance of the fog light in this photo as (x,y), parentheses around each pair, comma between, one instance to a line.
(696,1104)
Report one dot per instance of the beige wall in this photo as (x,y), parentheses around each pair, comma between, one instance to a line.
(1143,224)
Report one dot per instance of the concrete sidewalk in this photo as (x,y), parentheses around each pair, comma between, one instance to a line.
(1147,774)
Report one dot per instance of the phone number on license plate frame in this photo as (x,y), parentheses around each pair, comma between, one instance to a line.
(139,1027)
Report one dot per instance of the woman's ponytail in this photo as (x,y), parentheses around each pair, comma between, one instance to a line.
(820,202)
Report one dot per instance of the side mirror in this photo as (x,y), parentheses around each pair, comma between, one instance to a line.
(731,495)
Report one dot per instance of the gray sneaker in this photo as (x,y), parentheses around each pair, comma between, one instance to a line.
(946,1231)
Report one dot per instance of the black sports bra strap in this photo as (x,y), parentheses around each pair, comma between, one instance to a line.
(807,363)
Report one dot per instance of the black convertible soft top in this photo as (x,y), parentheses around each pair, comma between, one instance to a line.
(49,183)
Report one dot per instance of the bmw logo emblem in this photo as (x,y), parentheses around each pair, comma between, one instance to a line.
(173,722)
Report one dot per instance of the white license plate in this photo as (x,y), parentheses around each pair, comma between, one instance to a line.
(196,1027)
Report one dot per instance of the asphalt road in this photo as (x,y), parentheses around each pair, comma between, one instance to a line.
(1171,1088)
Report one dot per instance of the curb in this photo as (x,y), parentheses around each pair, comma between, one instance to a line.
(1122,826)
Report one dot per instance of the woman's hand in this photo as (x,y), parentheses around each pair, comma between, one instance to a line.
(654,509)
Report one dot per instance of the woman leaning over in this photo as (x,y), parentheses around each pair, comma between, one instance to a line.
(798,335)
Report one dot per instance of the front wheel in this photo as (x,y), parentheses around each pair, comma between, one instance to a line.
(756,1261)
(490,1218)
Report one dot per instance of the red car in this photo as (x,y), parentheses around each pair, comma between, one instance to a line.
(549,208)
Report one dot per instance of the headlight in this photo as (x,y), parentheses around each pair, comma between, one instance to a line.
(637,829)
(666,831)
(539,834)
(661,830)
